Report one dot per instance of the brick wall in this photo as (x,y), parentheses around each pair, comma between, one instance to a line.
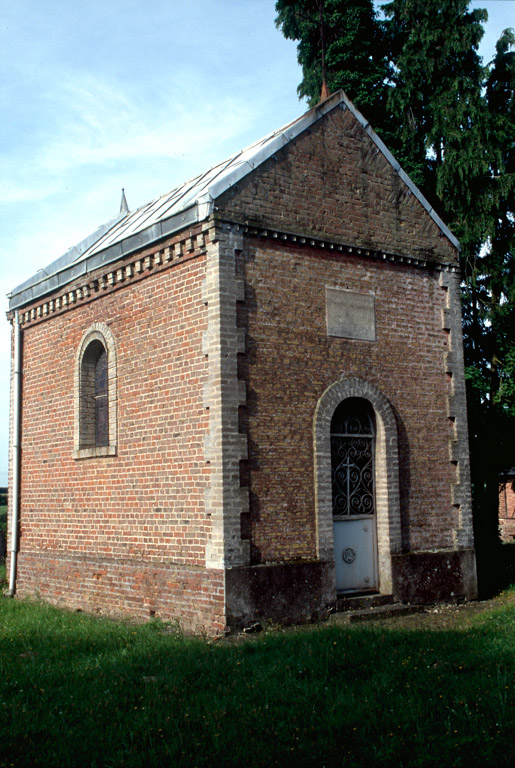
(333,182)
(291,361)
(124,533)
(507,510)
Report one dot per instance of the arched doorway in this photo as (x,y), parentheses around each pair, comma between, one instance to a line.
(353,495)
(376,414)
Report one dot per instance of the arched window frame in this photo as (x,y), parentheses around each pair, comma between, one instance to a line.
(388,518)
(85,425)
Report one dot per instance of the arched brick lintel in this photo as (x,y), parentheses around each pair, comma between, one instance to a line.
(386,468)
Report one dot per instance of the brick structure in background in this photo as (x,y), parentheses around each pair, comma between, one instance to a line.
(507,505)
(237,314)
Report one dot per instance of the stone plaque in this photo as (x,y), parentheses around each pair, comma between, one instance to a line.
(350,315)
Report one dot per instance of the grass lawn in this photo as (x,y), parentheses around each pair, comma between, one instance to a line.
(82,691)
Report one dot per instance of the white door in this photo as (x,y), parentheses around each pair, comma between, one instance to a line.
(353,490)
(355,553)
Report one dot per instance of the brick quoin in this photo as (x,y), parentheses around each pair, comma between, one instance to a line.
(213,506)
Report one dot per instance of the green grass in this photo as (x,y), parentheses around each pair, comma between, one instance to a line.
(81,691)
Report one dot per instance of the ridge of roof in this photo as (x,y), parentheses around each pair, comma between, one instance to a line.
(191,202)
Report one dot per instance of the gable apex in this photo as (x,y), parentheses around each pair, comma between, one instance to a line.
(194,201)
(262,150)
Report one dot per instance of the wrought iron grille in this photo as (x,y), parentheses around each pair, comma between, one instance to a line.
(352,458)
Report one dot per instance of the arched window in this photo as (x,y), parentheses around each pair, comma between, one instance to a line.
(95,433)
(352,458)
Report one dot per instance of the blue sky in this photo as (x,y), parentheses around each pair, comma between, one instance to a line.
(97,95)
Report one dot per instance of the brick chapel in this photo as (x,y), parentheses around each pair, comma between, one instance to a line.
(246,399)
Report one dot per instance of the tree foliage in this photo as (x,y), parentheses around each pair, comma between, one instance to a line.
(336,39)
(435,100)
(414,71)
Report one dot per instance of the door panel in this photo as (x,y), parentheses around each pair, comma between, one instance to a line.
(355,553)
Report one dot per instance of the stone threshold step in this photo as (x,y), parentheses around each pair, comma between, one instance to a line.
(375,613)
(353,601)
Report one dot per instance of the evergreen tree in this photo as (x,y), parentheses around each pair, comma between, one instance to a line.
(498,262)
(436,100)
(489,301)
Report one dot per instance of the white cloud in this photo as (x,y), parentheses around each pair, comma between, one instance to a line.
(100,124)
(15,192)
(95,130)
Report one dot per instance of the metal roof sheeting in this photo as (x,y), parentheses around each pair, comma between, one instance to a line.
(192,201)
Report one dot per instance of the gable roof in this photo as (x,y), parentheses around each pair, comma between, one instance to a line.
(192,202)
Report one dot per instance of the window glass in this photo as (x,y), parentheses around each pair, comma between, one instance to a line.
(101,400)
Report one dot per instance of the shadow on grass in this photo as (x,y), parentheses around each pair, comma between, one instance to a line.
(79,691)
